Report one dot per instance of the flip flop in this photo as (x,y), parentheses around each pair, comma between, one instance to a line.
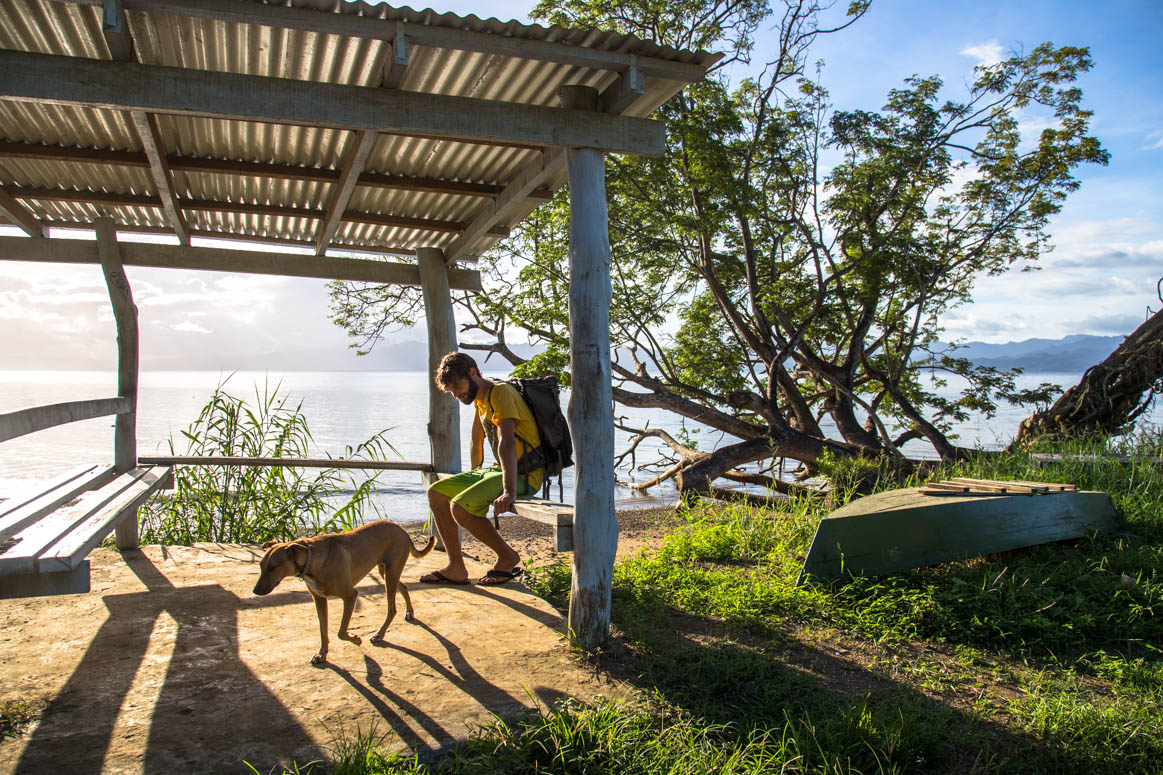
(496,577)
(436,577)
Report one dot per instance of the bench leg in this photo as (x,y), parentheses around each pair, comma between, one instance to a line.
(75,581)
(127,537)
(563,538)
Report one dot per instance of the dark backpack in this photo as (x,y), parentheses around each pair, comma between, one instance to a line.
(555,454)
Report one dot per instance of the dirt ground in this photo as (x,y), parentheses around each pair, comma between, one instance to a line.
(170,663)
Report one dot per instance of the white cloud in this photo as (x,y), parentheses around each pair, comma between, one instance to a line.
(986,54)
(1154,141)
(190,327)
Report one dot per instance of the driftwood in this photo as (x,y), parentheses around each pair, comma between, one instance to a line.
(1110,395)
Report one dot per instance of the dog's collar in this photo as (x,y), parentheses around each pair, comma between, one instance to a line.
(306,564)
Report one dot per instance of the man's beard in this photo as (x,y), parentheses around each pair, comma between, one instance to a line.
(472,394)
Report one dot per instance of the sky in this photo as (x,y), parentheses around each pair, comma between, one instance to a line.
(1101,277)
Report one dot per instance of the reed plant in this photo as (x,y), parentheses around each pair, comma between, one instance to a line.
(249,504)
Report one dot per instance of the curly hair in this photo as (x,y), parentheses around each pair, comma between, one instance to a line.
(453,367)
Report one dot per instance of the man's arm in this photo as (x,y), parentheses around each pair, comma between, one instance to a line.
(507,451)
(476,453)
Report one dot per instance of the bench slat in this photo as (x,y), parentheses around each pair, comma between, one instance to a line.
(547,512)
(49,496)
(34,539)
(70,551)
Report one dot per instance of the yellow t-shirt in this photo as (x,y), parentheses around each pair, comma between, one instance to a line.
(503,402)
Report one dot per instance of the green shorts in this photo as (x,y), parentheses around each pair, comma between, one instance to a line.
(475,491)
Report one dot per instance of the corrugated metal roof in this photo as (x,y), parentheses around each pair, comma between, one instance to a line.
(164,33)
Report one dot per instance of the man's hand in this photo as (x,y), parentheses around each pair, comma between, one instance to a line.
(503,503)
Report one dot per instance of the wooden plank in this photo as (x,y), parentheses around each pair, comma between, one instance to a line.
(19,422)
(20,215)
(529,178)
(29,543)
(544,511)
(34,584)
(154,88)
(159,170)
(352,25)
(70,551)
(31,492)
(71,251)
(997,483)
(51,495)
(354,158)
(286,462)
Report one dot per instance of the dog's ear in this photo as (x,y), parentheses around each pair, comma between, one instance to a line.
(267,544)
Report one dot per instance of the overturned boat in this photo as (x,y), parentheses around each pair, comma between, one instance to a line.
(946,521)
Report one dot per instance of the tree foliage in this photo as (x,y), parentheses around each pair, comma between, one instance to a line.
(780,272)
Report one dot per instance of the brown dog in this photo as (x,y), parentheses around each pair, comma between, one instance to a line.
(332,564)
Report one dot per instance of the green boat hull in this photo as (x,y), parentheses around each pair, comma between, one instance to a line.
(902,529)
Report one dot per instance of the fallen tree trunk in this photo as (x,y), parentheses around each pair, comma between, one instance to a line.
(1110,394)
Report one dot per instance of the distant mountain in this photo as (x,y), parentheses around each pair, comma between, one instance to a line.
(1074,353)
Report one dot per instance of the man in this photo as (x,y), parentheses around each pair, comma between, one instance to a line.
(504,418)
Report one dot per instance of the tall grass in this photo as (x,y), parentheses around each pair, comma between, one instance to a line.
(247,504)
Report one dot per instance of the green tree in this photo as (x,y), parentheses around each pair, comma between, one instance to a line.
(805,252)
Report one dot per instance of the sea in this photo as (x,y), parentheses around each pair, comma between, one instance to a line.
(345,408)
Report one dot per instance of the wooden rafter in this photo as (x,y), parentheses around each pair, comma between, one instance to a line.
(20,215)
(359,147)
(252,169)
(213,206)
(63,251)
(531,176)
(159,170)
(182,91)
(353,25)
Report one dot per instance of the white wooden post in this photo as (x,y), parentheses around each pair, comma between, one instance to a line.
(125,317)
(443,412)
(591,412)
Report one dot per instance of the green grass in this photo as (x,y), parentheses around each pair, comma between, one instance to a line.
(15,715)
(1042,660)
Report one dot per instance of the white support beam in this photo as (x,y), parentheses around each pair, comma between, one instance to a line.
(128,360)
(159,170)
(154,88)
(69,251)
(397,65)
(443,411)
(327,22)
(359,147)
(20,215)
(591,414)
(516,194)
(116,31)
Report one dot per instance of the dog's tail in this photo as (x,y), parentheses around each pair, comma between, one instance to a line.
(427,548)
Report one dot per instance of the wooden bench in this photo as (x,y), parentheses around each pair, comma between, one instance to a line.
(558,516)
(46,533)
